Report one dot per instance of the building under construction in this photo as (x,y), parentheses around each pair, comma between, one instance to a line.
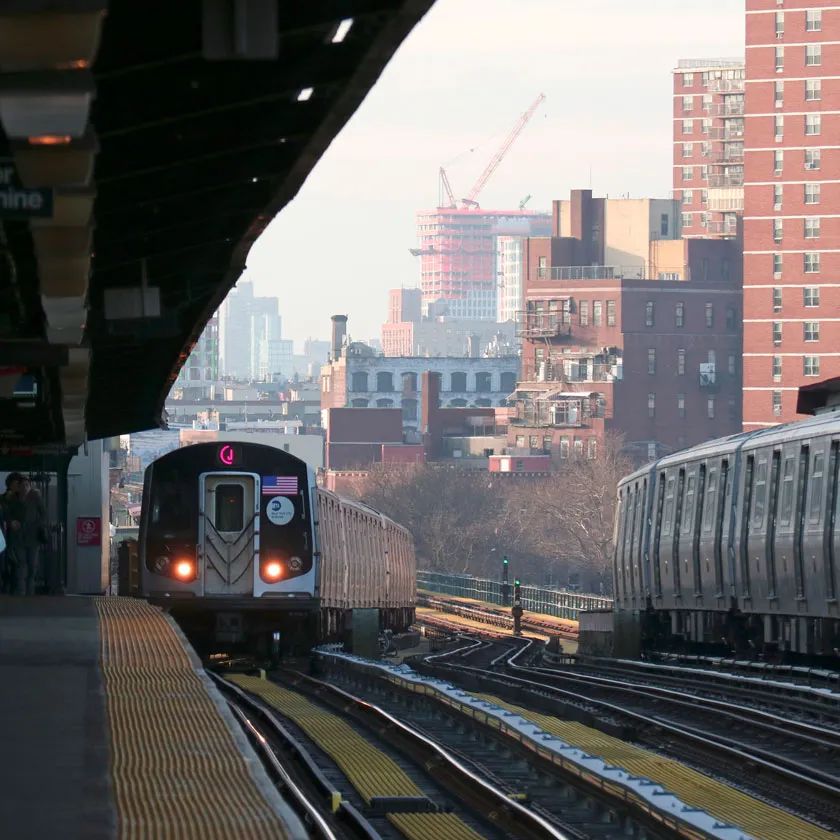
(457,242)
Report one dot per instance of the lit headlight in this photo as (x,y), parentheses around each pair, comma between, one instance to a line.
(184,569)
(273,570)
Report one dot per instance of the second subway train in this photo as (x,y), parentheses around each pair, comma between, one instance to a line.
(734,544)
(238,543)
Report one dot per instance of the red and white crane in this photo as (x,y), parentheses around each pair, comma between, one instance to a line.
(445,191)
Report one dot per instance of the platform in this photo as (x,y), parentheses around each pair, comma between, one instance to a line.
(110,729)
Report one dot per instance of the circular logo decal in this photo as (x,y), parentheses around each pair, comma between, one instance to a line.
(295,564)
(280,510)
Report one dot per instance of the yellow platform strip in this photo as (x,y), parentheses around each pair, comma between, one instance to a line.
(433,827)
(177,771)
(759,819)
(370,771)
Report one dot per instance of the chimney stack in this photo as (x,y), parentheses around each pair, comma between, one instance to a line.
(339,332)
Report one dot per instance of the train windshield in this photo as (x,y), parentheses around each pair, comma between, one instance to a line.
(173,511)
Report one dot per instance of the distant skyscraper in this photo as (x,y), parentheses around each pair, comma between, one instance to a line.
(509,273)
(201,370)
(235,328)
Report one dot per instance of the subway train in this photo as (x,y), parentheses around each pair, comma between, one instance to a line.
(238,543)
(733,545)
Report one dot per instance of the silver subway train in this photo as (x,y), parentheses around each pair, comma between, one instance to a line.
(733,545)
(238,543)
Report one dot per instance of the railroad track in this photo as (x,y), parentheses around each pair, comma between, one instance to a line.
(778,758)
(425,790)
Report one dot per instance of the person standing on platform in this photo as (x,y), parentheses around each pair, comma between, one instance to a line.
(14,511)
(34,534)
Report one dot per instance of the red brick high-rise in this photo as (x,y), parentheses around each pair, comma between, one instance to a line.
(792,204)
(708,136)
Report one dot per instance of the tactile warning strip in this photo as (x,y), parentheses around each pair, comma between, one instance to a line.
(176,769)
(368,769)
(732,806)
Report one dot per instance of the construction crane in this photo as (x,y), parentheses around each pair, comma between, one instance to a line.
(524,203)
(445,189)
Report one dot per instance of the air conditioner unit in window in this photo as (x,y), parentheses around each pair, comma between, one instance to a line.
(777,206)
(777,171)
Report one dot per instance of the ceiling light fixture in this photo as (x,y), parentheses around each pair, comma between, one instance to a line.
(342,30)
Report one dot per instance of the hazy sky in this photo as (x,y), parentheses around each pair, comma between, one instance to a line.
(449,97)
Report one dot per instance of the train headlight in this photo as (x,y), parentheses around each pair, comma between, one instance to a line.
(273,570)
(184,570)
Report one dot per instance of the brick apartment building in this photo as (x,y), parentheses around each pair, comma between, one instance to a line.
(650,349)
(709,145)
(792,204)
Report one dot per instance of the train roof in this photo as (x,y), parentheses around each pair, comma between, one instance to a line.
(363,505)
(769,436)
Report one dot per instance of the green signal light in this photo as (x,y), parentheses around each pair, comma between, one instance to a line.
(505,561)
(516,582)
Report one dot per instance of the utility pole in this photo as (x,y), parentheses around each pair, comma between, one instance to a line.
(517,608)
(505,584)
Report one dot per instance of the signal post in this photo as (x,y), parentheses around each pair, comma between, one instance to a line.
(517,610)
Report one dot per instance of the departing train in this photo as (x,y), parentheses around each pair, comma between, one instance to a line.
(734,544)
(239,544)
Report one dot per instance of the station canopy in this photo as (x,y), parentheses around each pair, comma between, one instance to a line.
(145,146)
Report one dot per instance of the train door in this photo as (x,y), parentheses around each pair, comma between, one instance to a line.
(228,533)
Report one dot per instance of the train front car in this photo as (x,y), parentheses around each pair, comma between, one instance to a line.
(228,546)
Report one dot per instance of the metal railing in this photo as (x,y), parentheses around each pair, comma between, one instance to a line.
(709,64)
(557,602)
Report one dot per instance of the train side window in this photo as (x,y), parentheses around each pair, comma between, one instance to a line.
(720,515)
(668,514)
(799,527)
(688,505)
(745,525)
(759,493)
(642,508)
(787,491)
(709,506)
(660,502)
(817,486)
(230,508)
(831,521)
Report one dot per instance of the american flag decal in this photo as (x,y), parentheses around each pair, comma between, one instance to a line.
(279,485)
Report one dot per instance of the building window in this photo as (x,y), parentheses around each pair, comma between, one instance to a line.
(777,333)
(813,89)
(812,262)
(710,407)
(780,93)
(812,228)
(483,382)
(710,314)
(778,161)
(649,314)
(812,296)
(596,313)
(564,447)
(730,317)
(733,410)
(681,362)
(458,379)
(651,405)
(681,404)
(385,381)
(688,126)
(547,441)
(583,311)
(578,448)
(704,173)
(777,368)
(543,268)
(812,193)
(687,151)
(811,365)
(778,230)
(610,313)
(777,265)
(680,315)
(813,55)
(777,403)
(688,173)
(731,361)
(688,79)
(778,193)
(704,197)
(651,362)
(780,59)
(811,330)
(520,441)
(779,131)
(813,159)
(359,381)
(813,124)
(592,448)
(813,20)
(777,300)
(686,220)
(688,104)
(687,196)
(780,24)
